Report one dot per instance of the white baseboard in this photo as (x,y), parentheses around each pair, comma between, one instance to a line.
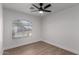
(57,45)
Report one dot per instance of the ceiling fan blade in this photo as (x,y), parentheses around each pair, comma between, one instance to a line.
(35,6)
(47,11)
(47,6)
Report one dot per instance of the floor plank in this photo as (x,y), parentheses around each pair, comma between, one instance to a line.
(38,48)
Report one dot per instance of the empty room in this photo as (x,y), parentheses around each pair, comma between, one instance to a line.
(39,28)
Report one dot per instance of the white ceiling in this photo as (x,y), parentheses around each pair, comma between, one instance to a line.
(25,7)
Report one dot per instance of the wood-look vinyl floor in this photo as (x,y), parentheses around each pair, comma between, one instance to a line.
(38,48)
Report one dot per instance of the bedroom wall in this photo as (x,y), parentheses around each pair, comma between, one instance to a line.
(62,29)
(1,29)
(9,16)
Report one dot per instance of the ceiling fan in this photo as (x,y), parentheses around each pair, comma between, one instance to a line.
(41,8)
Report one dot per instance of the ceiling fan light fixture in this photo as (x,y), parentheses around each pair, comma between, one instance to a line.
(41,12)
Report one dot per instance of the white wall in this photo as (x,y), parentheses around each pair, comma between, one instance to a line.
(9,16)
(1,29)
(62,29)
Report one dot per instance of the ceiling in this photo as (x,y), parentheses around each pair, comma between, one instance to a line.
(25,7)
